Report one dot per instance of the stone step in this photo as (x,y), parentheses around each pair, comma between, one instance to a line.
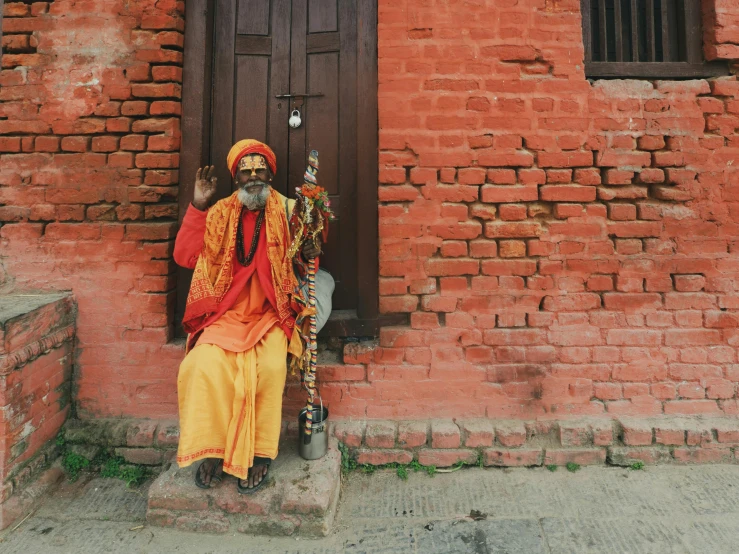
(300,498)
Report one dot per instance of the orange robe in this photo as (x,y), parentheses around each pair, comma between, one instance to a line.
(230,384)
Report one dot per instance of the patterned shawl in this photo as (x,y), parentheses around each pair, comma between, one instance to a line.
(214,267)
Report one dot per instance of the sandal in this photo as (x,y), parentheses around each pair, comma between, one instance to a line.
(215,478)
(258,462)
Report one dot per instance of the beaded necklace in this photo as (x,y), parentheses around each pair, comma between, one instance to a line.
(254,240)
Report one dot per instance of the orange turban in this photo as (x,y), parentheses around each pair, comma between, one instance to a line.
(249,146)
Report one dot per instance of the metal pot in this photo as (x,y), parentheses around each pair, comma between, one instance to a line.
(315,445)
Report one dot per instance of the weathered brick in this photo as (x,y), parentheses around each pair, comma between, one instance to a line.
(477,432)
(510,434)
(519,457)
(351,433)
(382,457)
(446,457)
(380,434)
(582,456)
(636,432)
(412,434)
(444,434)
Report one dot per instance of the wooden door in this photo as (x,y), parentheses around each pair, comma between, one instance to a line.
(270,48)
(240,55)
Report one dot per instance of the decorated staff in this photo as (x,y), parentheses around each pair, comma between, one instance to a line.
(309,222)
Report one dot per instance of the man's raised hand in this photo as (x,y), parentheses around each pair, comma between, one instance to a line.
(205,187)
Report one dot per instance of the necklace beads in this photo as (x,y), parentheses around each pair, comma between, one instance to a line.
(254,241)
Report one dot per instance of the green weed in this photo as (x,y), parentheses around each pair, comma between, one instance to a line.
(572,467)
(73,464)
(103,462)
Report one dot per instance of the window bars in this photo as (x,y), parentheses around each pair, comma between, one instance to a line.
(645,39)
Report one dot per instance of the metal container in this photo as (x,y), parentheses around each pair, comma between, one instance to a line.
(315,445)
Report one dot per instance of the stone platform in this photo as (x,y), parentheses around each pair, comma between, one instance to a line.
(300,498)
(36,360)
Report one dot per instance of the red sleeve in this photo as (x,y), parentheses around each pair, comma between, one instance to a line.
(189,241)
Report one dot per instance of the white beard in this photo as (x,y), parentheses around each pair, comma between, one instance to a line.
(255,201)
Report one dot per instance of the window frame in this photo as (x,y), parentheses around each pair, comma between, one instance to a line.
(694,67)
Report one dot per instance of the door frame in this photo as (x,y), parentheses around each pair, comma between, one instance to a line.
(195,151)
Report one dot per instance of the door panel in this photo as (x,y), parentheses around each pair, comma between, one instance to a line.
(252,76)
(253,17)
(322,16)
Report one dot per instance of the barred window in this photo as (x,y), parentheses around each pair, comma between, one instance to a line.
(645,39)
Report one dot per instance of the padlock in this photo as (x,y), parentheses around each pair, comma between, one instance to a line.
(295,120)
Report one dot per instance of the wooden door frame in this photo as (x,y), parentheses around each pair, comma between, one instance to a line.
(195,151)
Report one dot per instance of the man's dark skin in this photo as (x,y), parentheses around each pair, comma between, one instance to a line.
(253,181)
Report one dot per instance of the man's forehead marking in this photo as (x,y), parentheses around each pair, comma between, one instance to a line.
(253,161)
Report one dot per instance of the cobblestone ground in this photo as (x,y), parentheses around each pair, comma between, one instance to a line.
(666,509)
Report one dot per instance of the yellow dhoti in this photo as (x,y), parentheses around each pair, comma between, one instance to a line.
(231,403)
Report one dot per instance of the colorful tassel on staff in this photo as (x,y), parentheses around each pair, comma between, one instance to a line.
(310,377)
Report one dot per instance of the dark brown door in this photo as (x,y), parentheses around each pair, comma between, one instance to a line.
(268,48)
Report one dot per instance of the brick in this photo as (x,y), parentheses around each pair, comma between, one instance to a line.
(626,455)
(446,458)
(669,435)
(380,434)
(636,432)
(412,434)
(506,193)
(167,73)
(168,434)
(727,432)
(574,433)
(689,407)
(602,432)
(702,455)
(75,144)
(350,433)
(567,193)
(382,457)
(444,434)
(477,433)
(141,433)
(582,456)
(47,144)
(510,434)
(520,457)
(145,456)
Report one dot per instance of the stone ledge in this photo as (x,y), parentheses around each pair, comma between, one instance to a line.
(592,440)
(300,499)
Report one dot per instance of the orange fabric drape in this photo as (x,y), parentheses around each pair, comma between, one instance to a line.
(231,403)
(244,325)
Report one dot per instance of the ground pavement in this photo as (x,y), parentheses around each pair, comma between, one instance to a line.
(671,509)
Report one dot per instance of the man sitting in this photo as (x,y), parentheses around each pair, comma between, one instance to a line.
(240,316)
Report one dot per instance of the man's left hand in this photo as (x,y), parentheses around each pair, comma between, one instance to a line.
(311,250)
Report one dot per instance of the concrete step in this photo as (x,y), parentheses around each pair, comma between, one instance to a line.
(300,498)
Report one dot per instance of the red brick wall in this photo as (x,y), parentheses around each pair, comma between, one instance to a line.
(561,247)
(89,140)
